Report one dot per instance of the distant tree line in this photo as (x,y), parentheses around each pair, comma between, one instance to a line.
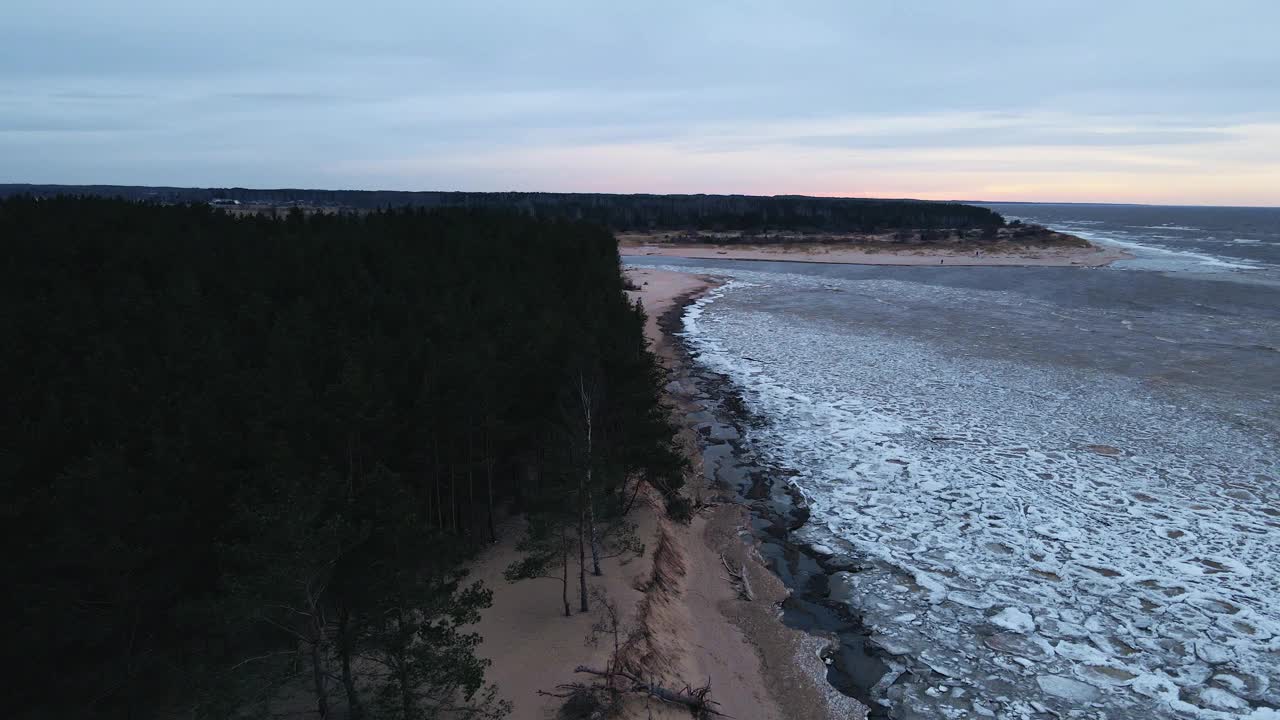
(617,212)
(242,455)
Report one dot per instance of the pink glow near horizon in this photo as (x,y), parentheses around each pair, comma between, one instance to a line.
(1091,100)
(1237,165)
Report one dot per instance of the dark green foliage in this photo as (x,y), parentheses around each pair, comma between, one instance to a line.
(547,545)
(618,212)
(680,509)
(612,428)
(429,662)
(238,451)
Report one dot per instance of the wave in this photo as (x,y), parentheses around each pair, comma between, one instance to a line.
(1170,226)
(1208,261)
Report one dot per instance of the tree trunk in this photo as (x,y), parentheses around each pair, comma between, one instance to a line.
(345,643)
(582,556)
(406,690)
(435,470)
(493,535)
(594,536)
(318,677)
(316,631)
(351,468)
(453,498)
(626,508)
(584,494)
(471,484)
(402,671)
(564,571)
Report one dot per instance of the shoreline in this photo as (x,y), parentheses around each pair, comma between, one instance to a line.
(815,575)
(804,656)
(1059,256)
(696,624)
(773,508)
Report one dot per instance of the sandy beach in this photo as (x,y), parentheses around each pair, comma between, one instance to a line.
(697,627)
(1014,256)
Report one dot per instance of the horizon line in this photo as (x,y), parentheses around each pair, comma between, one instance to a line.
(689,194)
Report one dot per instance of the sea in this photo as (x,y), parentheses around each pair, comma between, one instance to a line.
(1057,489)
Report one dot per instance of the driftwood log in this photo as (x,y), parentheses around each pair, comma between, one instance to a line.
(696,700)
(744,583)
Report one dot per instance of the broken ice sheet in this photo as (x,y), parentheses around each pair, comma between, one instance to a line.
(969,489)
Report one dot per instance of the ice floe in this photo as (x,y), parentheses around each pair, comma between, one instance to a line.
(1037,570)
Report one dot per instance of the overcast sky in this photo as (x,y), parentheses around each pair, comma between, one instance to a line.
(1171,101)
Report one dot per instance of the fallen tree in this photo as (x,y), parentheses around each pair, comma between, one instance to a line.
(696,700)
(744,582)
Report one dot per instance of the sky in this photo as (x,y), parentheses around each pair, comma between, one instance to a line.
(1119,101)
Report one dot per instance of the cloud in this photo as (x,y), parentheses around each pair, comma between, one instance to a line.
(814,96)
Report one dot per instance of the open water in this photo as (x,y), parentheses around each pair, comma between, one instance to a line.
(1063,483)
